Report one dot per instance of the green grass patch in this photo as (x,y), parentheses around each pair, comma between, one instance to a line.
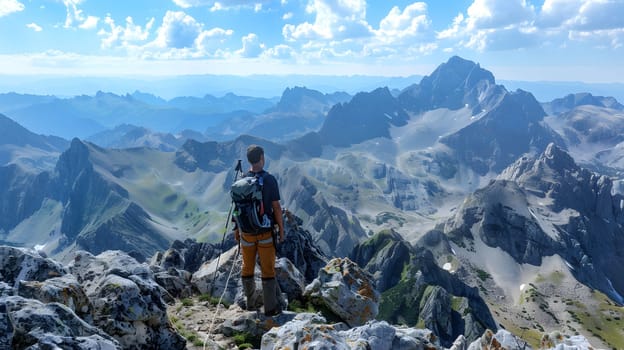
(482,274)
(245,340)
(300,307)
(187,302)
(212,300)
(595,320)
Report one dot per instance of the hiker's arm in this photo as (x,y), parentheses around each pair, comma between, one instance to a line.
(277,214)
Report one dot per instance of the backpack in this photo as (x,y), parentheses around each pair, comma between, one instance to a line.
(249,212)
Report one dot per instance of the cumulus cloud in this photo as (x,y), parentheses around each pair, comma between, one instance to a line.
(596,21)
(493,14)
(210,42)
(124,36)
(223,4)
(9,6)
(512,24)
(76,16)
(400,24)
(178,30)
(287,16)
(281,51)
(180,36)
(335,20)
(251,46)
(494,25)
(34,26)
(90,23)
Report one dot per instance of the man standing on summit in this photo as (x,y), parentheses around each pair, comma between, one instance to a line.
(262,243)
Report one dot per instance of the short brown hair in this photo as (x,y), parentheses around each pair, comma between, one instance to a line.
(254,153)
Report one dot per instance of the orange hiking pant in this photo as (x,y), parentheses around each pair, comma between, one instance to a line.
(261,244)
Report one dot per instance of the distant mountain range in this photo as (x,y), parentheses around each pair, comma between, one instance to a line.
(479,192)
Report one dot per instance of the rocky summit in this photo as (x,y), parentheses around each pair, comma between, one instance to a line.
(113,301)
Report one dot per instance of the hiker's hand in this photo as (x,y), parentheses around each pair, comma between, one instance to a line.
(236,235)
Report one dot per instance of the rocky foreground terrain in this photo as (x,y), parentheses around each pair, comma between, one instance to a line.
(113,301)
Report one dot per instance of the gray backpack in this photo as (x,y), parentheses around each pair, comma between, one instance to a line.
(249,211)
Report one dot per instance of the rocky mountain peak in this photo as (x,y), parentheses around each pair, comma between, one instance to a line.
(557,158)
(73,161)
(571,101)
(454,84)
(366,116)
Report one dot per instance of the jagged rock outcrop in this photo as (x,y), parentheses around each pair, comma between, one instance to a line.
(499,340)
(346,290)
(312,330)
(174,268)
(220,277)
(28,323)
(21,265)
(558,341)
(64,290)
(383,256)
(127,302)
(300,248)
(423,296)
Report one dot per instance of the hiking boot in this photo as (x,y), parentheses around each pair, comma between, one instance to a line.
(251,297)
(271,293)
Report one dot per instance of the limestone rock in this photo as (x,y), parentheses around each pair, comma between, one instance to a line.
(127,301)
(301,249)
(65,290)
(346,290)
(312,331)
(26,322)
(498,341)
(228,265)
(22,265)
(290,280)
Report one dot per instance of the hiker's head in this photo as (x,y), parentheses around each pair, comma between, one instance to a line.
(255,154)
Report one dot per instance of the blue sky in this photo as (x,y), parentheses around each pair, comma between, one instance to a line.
(557,40)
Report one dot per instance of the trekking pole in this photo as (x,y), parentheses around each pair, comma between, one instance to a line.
(238,170)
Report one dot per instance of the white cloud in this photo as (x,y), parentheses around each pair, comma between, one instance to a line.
(90,23)
(287,16)
(77,17)
(400,24)
(124,36)
(179,37)
(9,6)
(281,52)
(335,20)
(251,46)
(210,42)
(223,4)
(34,26)
(178,30)
(599,15)
(494,25)
(493,14)
(599,22)
(555,13)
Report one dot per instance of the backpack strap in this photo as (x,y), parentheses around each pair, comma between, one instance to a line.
(260,177)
